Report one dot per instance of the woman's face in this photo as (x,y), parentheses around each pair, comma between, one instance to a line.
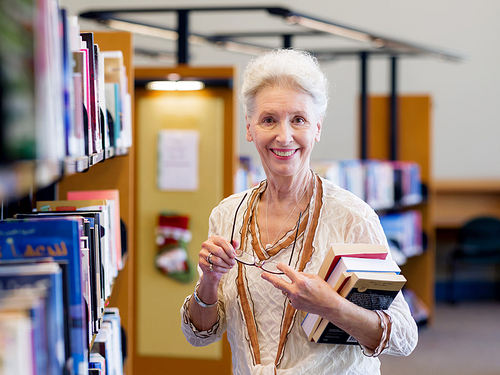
(284,128)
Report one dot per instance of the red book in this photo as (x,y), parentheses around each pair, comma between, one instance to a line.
(350,250)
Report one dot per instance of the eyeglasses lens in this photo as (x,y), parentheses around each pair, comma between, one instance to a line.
(271,267)
(250,260)
(244,258)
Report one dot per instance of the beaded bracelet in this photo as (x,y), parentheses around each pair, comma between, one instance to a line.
(385,328)
(201,303)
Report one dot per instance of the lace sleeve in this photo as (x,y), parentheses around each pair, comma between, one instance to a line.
(404,333)
(201,338)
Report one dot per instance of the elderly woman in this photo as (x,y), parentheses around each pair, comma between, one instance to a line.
(290,219)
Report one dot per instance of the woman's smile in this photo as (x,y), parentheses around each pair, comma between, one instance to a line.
(284,153)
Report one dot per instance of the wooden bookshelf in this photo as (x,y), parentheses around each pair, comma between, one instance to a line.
(414,144)
(116,173)
(458,201)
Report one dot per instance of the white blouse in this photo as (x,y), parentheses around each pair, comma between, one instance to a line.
(344,218)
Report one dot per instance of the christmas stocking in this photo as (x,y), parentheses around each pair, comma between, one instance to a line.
(172,238)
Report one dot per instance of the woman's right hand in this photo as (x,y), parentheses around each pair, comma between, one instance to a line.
(222,258)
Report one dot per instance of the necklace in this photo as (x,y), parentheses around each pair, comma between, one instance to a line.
(269,245)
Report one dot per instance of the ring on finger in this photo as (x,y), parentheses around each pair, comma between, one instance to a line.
(211,267)
(209,259)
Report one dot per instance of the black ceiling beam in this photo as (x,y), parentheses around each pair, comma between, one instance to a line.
(306,21)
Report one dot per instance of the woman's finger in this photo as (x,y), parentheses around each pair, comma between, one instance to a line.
(293,275)
(223,250)
(217,255)
(277,282)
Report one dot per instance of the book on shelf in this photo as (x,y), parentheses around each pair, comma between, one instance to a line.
(404,230)
(75,136)
(58,239)
(47,280)
(379,177)
(102,208)
(95,140)
(370,290)
(382,184)
(21,332)
(112,197)
(107,345)
(49,106)
(112,315)
(97,363)
(101,98)
(407,183)
(96,270)
(114,82)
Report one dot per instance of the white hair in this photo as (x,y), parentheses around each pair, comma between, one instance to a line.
(292,68)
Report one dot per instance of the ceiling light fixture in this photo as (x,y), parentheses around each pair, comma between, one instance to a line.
(330,28)
(175,85)
(141,29)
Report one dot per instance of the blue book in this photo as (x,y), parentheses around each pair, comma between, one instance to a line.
(112,315)
(47,278)
(59,239)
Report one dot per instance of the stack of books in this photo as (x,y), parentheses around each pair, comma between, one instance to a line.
(362,274)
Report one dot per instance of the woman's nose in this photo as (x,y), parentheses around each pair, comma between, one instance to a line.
(285,133)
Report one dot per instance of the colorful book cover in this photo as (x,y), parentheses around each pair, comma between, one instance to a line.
(112,315)
(102,101)
(99,117)
(93,109)
(102,208)
(20,329)
(91,233)
(58,239)
(115,82)
(49,278)
(67,81)
(82,66)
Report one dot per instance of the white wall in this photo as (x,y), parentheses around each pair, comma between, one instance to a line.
(466,94)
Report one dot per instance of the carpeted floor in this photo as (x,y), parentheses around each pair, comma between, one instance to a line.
(463,340)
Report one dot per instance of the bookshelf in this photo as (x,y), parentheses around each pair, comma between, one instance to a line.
(52,176)
(115,173)
(414,144)
(460,200)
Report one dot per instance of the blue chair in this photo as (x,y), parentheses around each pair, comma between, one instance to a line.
(478,242)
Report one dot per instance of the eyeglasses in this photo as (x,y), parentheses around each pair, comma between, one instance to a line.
(249,260)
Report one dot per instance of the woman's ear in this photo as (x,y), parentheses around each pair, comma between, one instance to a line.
(248,136)
(319,126)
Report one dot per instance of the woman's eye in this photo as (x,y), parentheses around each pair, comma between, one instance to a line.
(268,121)
(299,120)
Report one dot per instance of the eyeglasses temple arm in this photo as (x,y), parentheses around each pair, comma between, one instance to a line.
(295,240)
(236,214)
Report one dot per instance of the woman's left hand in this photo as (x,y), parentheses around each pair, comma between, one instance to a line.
(306,292)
